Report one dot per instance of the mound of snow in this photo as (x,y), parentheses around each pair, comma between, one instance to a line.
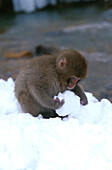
(82,142)
(94,111)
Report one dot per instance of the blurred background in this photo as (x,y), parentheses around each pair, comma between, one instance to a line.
(84,25)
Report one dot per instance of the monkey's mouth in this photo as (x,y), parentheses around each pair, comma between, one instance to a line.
(72,82)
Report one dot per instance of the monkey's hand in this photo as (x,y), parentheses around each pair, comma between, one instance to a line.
(78,90)
(59,103)
(83,101)
(44,99)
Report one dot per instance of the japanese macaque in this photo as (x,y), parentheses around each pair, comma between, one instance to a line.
(46,76)
(40,50)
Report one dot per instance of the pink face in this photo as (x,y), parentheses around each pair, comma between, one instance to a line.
(72,82)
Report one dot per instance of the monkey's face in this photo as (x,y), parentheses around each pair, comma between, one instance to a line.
(71,82)
(72,67)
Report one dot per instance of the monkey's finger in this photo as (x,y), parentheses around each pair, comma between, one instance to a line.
(62,102)
(57,99)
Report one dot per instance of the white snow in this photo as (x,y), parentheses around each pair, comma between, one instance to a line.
(81,142)
(95,111)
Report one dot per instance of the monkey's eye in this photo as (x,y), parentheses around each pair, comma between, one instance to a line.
(69,80)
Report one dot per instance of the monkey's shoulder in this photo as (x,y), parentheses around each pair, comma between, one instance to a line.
(40,69)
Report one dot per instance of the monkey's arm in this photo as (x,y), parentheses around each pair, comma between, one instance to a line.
(79,92)
(44,99)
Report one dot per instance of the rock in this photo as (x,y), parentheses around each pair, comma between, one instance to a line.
(21,54)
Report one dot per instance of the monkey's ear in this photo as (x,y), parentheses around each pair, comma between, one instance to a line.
(61,63)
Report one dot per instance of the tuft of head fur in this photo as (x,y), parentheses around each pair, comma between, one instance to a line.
(72,62)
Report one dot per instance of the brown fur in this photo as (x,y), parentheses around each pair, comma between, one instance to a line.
(45,77)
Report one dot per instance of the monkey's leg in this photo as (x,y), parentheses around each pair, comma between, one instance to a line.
(28,104)
(79,92)
(48,113)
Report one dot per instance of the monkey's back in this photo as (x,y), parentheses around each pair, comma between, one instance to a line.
(40,71)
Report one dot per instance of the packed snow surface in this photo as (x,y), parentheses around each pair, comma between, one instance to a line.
(83,141)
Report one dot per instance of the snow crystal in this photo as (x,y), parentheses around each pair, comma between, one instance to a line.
(82,142)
